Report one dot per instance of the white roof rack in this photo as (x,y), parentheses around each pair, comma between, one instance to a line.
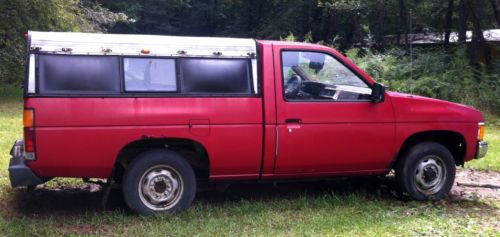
(129,44)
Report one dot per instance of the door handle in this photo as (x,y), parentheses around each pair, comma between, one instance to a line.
(292,124)
(293,120)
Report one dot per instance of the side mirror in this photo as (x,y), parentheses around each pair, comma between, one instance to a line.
(378,93)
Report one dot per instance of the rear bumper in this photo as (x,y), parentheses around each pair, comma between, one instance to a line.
(482,149)
(19,173)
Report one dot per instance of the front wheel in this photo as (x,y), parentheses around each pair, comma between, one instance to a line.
(427,172)
(159,181)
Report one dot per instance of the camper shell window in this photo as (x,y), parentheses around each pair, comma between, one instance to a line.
(219,76)
(149,74)
(74,74)
(85,75)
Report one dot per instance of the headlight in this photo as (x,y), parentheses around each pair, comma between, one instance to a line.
(480,131)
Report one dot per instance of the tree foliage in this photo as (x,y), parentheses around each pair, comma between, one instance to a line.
(343,24)
(19,16)
(349,21)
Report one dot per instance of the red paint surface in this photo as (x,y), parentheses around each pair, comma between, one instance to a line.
(81,137)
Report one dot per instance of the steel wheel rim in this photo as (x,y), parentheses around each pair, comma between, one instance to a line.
(160,187)
(430,175)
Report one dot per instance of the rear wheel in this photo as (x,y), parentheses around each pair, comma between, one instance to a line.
(159,181)
(427,172)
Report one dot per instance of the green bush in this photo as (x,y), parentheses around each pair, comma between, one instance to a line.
(20,16)
(434,73)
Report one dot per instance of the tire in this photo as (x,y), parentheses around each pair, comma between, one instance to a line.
(426,172)
(158,181)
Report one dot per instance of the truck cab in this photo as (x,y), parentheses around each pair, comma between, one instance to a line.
(159,114)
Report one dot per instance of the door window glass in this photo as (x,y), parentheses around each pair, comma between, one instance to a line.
(319,76)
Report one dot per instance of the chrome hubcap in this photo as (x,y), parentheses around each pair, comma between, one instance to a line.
(160,187)
(430,175)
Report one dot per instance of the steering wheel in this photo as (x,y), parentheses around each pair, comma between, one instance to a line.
(293,86)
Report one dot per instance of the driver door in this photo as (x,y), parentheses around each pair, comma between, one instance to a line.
(326,120)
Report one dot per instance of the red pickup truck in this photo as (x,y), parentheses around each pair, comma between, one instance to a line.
(158,114)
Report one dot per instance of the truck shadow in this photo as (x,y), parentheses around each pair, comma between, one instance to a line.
(288,189)
(75,201)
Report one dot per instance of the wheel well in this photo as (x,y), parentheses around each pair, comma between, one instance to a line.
(190,150)
(453,141)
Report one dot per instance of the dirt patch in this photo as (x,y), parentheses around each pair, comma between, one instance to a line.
(476,184)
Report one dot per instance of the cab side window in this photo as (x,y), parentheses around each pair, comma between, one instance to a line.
(318,76)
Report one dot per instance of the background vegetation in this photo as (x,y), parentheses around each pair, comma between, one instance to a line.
(434,73)
(374,33)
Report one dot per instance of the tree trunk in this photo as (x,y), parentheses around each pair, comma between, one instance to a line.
(463,16)
(478,47)
(380,24)
(477,32)
(494,6)
(402,22)
(212,14)
(448,22)
(357,30)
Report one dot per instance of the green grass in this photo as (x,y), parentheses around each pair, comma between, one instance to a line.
(492,136)
(317,209)
(306,215)
(492,159)
(10,128)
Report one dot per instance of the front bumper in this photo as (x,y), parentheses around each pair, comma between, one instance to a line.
(482,149)
(19,173)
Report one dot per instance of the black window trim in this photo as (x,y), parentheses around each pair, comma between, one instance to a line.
(37,73)
(27,67)
(146,94)
(258,63)
(317,100)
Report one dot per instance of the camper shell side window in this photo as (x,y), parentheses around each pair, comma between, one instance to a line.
(213,75)
(149,75)
(76,74)
(103,75)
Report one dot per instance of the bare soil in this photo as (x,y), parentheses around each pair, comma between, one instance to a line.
(476,184)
